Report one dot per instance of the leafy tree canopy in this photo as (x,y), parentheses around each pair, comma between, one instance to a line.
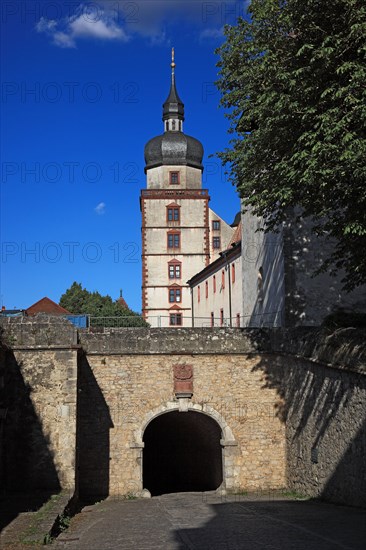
(79,300)
(293,79)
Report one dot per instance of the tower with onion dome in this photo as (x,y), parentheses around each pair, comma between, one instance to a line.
(180,233)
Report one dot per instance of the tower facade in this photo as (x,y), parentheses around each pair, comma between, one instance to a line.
(176,219)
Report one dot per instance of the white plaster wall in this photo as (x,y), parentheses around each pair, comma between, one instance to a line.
(157,267)
(158,298)
(219,299)
(191,212)
(158,178)
(237,292)
(225,234)
(191,240)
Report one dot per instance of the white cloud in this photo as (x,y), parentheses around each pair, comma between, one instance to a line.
(104,28)
(45,25)
(100,208)
(97,24)
(122,20)
(212,34)
(63,40)
(145,14)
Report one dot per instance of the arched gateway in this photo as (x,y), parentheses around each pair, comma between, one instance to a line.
(182,452)
(185,449)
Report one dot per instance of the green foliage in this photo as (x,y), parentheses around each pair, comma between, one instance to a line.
(79,300)
(64,522)
(129,496)
(293,81)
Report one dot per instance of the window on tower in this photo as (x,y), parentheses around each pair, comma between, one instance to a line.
(173,214)
(174,240)
(175,295)
(174,270)
(216,225)
(174,178)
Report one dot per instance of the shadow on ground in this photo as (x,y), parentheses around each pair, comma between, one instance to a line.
(247,524)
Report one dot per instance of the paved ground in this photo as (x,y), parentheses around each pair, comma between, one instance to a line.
(206,521)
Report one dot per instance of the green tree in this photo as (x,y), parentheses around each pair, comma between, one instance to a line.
(293,80)
(78,301)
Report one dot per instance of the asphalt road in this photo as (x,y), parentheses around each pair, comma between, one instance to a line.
(207,521)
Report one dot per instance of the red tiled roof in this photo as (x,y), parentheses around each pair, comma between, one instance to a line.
(46,305)
(122,302)
(236,237)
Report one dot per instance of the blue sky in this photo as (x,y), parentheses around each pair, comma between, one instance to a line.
(82,92)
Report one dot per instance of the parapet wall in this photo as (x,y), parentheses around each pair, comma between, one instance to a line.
(40,331)
(343,348)
(183,341)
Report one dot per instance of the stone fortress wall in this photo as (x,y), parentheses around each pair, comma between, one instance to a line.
(290,404)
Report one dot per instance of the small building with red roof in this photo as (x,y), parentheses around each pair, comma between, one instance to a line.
(46,305)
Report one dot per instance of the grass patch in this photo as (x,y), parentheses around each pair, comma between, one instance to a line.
(62,522)
(129,496)
(33,534)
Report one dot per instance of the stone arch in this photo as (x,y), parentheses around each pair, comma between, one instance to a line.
(227,441)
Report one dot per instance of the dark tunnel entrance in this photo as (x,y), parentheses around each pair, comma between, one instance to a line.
(182,453)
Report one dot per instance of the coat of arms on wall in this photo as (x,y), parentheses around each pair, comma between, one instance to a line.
(183,379)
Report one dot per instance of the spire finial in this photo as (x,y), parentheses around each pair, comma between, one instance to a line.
(173,107)
(172,63)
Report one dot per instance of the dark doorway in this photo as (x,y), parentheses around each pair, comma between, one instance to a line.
(182,453)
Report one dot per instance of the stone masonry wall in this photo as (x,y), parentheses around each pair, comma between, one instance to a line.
(291,404)
(304,386)
(41,419)
(138,388)
(324,411)
(325,416)
(40,370)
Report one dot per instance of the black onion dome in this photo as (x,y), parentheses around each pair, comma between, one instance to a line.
(173,148)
